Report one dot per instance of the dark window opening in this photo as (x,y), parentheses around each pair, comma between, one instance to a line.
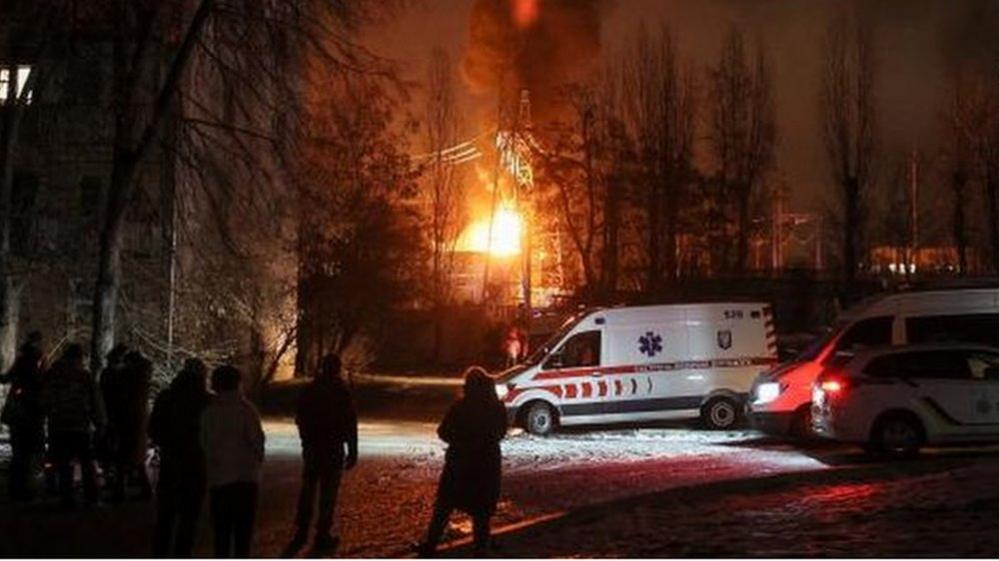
(90,194)
(872,332)
(940,365)
(971,328)
(580,351)
(23,198)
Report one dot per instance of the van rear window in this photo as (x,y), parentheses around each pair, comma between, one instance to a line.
(968,328)
(871,332)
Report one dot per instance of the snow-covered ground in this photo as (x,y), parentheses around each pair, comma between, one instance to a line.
(543,477)
(942,505)
(605,492)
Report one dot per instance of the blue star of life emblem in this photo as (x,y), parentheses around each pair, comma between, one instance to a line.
(650,344)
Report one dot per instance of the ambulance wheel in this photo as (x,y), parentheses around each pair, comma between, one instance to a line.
(540,419)
(720,413)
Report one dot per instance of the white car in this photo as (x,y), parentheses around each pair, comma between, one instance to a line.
(643,363)
(781,399)
(896,399)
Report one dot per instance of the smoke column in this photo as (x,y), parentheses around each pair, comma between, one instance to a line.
(539,45)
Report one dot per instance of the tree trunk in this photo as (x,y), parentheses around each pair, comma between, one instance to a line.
(743,236)
(10,308)
(959,227)
(653,210)
(612,229)
(850,226)
(109,261)
(992,195)
(10,293)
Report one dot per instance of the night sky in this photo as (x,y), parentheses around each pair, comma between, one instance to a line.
(917,42)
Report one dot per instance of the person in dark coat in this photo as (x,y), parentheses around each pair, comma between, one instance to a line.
(22,412)
(470,482)
(132,419)
(74,412)
(111,382)
(174,427)
(327,426)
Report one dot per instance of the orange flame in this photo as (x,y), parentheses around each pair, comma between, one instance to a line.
(525,12)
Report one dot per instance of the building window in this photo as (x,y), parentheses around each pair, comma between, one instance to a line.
(23,197)
(20,78)
(90,194)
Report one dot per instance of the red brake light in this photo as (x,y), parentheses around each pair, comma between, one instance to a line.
(832,386)
(832,381)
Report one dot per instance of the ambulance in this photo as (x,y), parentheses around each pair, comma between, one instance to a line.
(633,364)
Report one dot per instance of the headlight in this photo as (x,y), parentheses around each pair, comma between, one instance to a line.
(501,390)
(767,392)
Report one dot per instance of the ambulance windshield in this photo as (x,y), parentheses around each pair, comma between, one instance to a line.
(543,351)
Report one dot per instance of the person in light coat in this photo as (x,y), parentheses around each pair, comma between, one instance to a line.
(233,441)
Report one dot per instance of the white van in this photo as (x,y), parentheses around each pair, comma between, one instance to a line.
(643,363)
(782,398)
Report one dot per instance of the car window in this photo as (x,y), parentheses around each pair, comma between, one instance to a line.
(882,367)
(949,365)
(871,332)
(980,362)
(972,328)
(581,350)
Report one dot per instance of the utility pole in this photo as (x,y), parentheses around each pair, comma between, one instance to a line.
(776,233)
(524,182)
(913,209)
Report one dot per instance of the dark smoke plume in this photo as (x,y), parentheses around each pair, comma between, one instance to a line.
(558,44)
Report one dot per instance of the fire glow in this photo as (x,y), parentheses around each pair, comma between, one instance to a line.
(525,12)
(505,238)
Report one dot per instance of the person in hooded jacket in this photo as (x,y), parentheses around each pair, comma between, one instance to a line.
(174,427)
(111,381)
(470,482)
(327,426)
(74,413)
(22,412)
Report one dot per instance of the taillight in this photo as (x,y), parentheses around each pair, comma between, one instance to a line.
(832,386)
(832,382)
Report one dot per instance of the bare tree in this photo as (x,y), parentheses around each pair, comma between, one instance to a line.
(583,169)
(254,55)
(977,123)
(32,33)
(443,180)
(849,127)
(743,131)
(358,245)
(960,163)
(660,115)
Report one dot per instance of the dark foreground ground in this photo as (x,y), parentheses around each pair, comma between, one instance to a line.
(634,492)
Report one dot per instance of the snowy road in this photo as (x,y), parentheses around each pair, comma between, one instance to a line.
(603,493)
(386,500)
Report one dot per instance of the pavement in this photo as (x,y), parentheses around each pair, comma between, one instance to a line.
(669,490)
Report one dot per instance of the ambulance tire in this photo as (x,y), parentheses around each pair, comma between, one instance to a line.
(720,413)
(539,418)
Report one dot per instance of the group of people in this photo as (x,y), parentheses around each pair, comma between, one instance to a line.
(211,442)
(60,414)
(208,442)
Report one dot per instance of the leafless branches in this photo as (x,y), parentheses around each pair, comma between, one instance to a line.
(849,127)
